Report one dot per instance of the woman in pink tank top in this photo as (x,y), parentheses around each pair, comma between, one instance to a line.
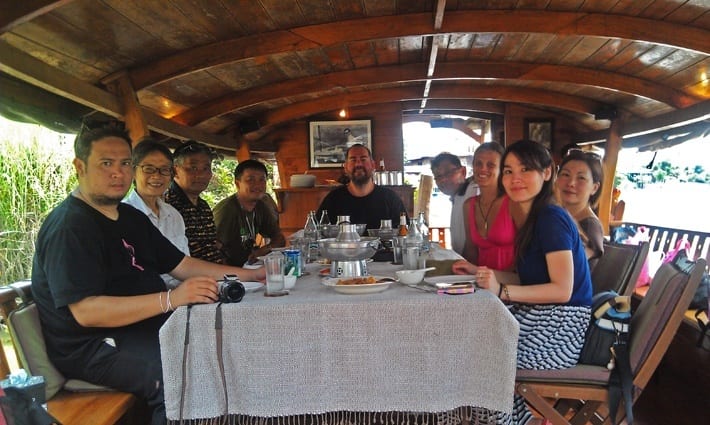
(489,226)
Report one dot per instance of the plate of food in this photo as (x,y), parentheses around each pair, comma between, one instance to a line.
(353,285)
(446,281)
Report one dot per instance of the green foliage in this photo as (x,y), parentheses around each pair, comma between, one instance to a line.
(222,184)
(34,177)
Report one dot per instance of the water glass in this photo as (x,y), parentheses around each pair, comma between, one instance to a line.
(274,264)
(397,246)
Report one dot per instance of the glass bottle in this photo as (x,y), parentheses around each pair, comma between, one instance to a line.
(310,236)
(402,224)
(414,236)
(324,219)
(424,230)
(421,224)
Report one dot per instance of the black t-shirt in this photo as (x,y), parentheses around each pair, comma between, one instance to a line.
(81,253)
(381,204)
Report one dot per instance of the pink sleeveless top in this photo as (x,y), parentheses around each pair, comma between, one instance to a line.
(497,251)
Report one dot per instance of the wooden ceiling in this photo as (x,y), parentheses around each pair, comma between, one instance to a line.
(202,68)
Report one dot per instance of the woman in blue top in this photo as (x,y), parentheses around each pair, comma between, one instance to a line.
(551,292)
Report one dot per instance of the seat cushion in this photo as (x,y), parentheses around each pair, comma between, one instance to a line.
(580,374)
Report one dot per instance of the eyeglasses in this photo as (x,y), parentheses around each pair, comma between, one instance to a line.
(149,169)
(447,174)
(580,153)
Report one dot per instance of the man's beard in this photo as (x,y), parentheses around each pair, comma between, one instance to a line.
(360,179)
(106,201)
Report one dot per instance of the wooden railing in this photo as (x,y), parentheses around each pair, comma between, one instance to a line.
(665,238)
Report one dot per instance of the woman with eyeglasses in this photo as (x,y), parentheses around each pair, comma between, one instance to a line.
(490,232)
(153,165)
(551,294)
(578,187)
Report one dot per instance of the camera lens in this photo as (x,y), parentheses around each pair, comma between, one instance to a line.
(231,291)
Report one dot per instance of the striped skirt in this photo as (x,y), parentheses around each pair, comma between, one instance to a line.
(551,337)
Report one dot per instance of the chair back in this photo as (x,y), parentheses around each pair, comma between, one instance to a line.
(658,317)
(26,331)
(618,268)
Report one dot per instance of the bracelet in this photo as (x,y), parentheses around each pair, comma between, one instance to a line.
(500,290)
(160,300)
(507,294)
(170,306)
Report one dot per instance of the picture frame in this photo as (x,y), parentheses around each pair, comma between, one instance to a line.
(540,130)
(329,141)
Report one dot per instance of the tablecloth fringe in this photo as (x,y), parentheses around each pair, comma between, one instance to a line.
(473,415)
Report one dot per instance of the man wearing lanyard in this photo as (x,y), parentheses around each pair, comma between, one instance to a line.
(242,217)
(450,177)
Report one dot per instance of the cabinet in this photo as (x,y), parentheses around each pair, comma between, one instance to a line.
(294,204)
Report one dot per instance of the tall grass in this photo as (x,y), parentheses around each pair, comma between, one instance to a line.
(35,174)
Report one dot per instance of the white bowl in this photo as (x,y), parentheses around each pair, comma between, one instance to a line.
(303,180)
(289,281)
(410,277)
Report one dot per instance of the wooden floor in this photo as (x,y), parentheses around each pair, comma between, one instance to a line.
(679,392)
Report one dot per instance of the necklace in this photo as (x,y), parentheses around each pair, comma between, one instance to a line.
(251,224)
(486,214)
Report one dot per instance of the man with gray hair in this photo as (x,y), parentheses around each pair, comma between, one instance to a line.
(192,173)
(450,178)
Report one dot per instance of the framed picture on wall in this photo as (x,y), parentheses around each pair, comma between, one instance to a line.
(540,131)
(329,141)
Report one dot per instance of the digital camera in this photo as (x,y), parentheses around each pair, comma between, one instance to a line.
(231,290)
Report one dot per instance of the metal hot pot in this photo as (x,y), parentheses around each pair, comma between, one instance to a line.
(348,252)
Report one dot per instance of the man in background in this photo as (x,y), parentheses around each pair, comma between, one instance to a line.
(450,178)
(244,216)
(193,172)
(361,198)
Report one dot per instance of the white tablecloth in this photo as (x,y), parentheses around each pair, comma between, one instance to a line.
(317,351)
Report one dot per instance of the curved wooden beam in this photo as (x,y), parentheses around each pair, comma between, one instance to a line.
(378,95)
(417,24)
(492,107)
(416,72)
(15,13)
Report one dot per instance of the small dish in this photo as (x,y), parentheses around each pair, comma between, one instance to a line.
(289,281)
(412,277)
(442,282)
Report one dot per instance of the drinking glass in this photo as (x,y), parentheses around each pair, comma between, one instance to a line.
(274,264)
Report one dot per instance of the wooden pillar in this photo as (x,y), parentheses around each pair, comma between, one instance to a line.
(611,156)
(243,153)
(426,186)
(120,84)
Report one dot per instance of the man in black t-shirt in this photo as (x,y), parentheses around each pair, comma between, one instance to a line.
(96,277)
(361,199)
